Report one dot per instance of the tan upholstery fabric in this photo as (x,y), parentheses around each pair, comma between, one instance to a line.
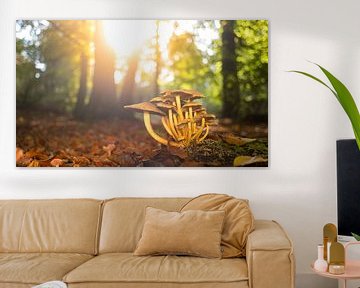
(35,268)
(38,224)
(123,218)
(239,220)
(15,285)
(126,268)
(269,255)
(192,232)
(242,284)
(49,225)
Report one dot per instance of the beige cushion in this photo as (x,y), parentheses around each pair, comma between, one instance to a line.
(270,256)
(36,268)
(239,220)
(123,220)
(64,226)
(193,232)
(237,284)
(125,268)
(15,285)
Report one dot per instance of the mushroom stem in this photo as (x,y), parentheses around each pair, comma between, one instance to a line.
(178,130)
(171,123)
(198,133)
(190,130)
(167,128)
(206,133)
(151,131)
(178,105)
(190,113)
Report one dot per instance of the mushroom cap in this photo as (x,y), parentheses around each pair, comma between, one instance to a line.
(200,110)
(145,106)
(171,94)
(165,92)
(209,116)
(196,95)
(165,105)
(157,99)
(192,104)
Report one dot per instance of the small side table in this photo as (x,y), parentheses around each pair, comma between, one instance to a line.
(352,269)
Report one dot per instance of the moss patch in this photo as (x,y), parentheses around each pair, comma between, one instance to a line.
(218,153)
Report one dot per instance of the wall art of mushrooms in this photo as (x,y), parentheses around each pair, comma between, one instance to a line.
(183,118)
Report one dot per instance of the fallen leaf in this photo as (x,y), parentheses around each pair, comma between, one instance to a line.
(19,154)
(81,161)
(34,163)
(241,161)
(235,140)
(109,148)
(38,155)
(56,162)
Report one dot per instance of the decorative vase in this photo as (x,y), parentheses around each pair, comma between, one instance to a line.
(320,264)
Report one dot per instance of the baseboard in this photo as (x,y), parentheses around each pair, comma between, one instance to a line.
(309,280)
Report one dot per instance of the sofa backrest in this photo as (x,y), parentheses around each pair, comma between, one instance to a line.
(68,226)
(123,220)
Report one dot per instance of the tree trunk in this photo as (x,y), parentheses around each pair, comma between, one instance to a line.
(230,87)
(80,100)
(157,61)
(103,96)
(128,90)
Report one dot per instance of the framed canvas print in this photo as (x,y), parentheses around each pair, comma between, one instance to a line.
(141,93)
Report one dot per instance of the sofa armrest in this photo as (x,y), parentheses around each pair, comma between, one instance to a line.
(269,256)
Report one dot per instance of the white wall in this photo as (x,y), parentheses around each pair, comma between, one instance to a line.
(299,187)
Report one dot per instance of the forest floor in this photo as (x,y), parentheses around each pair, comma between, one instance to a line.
(46,140)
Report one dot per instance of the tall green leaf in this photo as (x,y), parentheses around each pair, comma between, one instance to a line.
(344,97)
(357,237)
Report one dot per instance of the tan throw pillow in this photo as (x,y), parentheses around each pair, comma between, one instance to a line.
(239,220)
(196,233)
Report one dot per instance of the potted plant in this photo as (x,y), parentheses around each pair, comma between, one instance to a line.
(344,97)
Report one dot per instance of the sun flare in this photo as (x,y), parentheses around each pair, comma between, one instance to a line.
(127,37)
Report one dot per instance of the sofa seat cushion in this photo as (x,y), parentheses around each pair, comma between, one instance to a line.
(36,268)
(242,284)
(49,226)
(125,267)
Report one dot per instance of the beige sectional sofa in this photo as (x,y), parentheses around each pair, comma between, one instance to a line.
(89,243)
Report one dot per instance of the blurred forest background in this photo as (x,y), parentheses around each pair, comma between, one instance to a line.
(87,70)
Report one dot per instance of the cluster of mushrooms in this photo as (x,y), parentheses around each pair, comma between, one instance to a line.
(184,119)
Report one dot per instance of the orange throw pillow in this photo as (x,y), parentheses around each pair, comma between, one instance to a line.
(196,233)
(238,224)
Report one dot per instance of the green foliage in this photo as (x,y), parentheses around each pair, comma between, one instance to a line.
(201,69)
(344,97)
(48,62)
(27,62)
(252,51)
(192,69)
(356,236)
(25,74)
